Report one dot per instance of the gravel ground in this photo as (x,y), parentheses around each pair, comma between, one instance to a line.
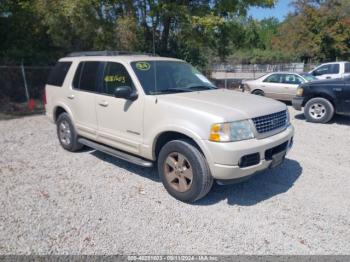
(56,202)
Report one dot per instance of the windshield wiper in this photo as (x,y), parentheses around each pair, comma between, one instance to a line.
(170,90)
(202,87)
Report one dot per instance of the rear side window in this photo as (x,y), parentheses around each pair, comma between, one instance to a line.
(58,73)
(347,67)
(335,69)
(292,79)
(274,78)
(86,76)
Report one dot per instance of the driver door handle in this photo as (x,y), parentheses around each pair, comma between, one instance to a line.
(103,103)
(70,97)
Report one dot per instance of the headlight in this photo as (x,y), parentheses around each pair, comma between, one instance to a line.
(233,131)
(288,117)
(300,91)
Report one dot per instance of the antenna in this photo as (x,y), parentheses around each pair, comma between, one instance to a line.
(155,62)
(153,39)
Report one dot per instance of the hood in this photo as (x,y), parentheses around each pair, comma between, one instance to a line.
(223,104)
(336,81)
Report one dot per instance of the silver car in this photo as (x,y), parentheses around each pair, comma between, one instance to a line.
(277,85)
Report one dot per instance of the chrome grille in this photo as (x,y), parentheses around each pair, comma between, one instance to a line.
(264,124)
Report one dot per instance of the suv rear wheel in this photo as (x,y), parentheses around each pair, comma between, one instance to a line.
(184,171)
(319,110)
(66,133)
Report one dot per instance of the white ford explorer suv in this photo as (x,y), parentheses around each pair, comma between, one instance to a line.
(161,111)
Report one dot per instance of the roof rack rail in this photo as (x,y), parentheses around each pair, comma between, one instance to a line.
(106,53)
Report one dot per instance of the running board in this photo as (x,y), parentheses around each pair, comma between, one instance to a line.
(113,152)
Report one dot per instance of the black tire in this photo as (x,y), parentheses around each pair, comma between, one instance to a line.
(202,180)
(319,110)
(72,144)
(258,93)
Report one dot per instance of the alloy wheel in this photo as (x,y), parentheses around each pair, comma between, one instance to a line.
(64,132)
(178,172)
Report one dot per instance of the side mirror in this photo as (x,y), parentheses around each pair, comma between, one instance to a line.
(125,92)
(317,73)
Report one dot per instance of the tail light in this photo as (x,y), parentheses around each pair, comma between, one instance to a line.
(44,96)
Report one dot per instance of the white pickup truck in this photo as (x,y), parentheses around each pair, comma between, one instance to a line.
(331,70)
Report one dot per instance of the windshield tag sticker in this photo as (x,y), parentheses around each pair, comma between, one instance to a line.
(144,66)
(115,78)
(203,78)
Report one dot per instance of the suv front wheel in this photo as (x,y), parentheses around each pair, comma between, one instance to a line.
(184,171)
(66,133)
(318,110)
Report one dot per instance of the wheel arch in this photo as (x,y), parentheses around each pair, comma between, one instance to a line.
(257,89)
(329,97)
(59,109)
(170,135)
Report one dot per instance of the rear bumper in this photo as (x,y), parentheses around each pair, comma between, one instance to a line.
(225,161)
(297,102)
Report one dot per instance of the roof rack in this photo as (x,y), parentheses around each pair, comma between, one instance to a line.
(106,53)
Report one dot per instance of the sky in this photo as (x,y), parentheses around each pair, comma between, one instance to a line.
(280,10)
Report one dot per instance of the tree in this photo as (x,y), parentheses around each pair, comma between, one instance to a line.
(318,30)
(191,29)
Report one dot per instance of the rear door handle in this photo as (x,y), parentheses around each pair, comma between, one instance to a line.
(70,97)
(103,103)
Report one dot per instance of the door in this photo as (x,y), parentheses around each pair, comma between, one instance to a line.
(345,97)
(346,70)
(120,121)
(291,83)
(327,71)
(274,87)
(81,98)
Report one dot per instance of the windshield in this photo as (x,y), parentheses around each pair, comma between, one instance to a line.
(309,77)
(164,77)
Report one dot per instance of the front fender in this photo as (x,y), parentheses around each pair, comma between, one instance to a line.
(181,129)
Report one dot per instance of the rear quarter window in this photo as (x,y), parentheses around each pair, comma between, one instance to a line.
(347,67)
(58,73)
(335,69)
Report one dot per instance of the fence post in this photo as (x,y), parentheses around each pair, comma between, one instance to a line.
(25,81)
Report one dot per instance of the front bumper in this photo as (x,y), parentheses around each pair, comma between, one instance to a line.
(297,102)
(225,158)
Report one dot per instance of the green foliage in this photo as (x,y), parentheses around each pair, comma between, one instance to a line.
(319,30)
(199,31)
(196,30)
(260,56)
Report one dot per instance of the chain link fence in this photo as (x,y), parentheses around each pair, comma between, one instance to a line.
(22,89)
(230,76)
